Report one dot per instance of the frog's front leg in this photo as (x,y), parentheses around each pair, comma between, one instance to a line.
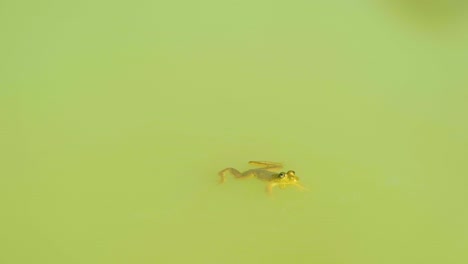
(300,187)
(234,172)
(269,187)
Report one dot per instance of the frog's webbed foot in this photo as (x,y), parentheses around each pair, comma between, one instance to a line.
(234,172)
(267,165)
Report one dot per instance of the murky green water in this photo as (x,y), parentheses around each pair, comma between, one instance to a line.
(116,118)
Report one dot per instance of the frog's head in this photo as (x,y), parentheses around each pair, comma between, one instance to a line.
(288,177)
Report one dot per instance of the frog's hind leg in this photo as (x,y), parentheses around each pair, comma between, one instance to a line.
(234,172)
(267,165)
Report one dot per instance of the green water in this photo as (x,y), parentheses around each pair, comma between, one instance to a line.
(116,117)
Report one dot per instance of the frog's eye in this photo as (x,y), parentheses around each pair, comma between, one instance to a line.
(281,175)
(291,172)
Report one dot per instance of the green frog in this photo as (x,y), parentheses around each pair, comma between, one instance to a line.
(267,172)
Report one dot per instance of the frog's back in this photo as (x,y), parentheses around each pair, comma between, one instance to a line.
(263,175)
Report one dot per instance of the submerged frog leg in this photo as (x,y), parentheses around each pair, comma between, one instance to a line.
(234,172)
(267,165)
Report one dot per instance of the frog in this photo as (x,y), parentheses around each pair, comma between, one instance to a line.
(267,171)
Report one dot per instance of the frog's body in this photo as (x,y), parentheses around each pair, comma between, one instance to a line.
(266,173)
